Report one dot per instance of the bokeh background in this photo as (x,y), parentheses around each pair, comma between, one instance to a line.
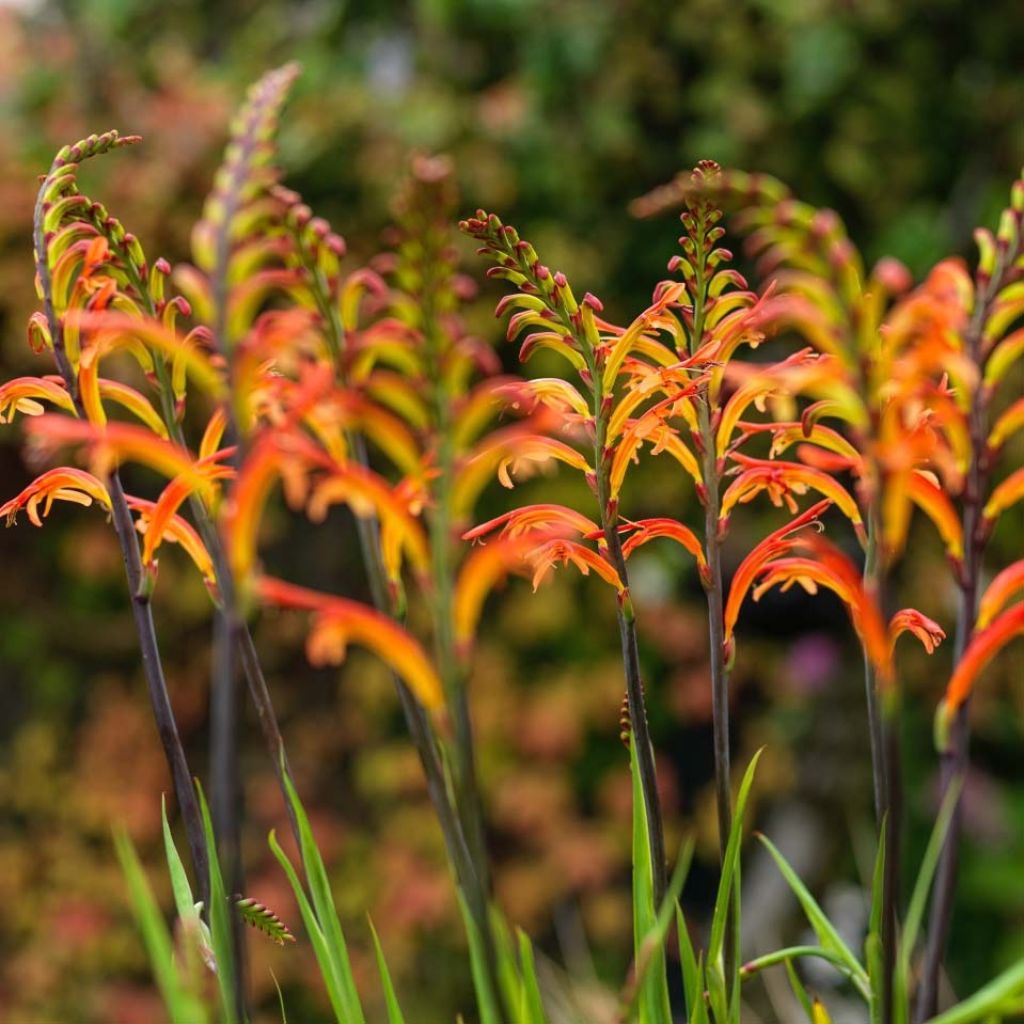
(904,115)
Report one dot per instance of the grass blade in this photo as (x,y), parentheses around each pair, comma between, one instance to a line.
(692,988)
(181,1004)
(323,957)
(988,1000)
(323,905)
(651,971)
(220,920)
(720,918)
(390,998)
(531,1006)
(823,928)
(486,998)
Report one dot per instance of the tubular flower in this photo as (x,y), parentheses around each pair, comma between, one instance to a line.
(829,568)
(1000,592)
(649,529)
(508,452)
(26,395)
(984,646)
(534,518)
(338,621)
(908,620)
(114,443)
(933,501)
(776,544)
(781,481)
(486,566)
(548,553)
(1006,494)
(63,484)
(172,528)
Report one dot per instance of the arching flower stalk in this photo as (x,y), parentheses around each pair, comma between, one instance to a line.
(549,311)
(376,369)
(881,379)
(992,342)
(80,255)
(661,381)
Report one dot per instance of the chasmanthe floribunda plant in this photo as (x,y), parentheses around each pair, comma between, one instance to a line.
(270,362)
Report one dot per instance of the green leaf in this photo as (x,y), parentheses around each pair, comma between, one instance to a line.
(390,998)
(692,988)
(326,913)
(873,941)
(184,901)
(531,1006)
(323,957)
(181,1004)
(778,956)
(730,866)
(508,964)
(929,862)
(823,928)
(220,919)
(652,974)
(486,999)
(799,991)
(987,1000)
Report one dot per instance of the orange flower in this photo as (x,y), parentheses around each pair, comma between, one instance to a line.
(924,492)
(649,529)
(776,544)
(26,395)
(1007,494)
(63,484)
(338,621)
(909,620)
(1000,592)
(534,518)
(117,442)
(173,528)
(783,480)
(984,646)
(833,570)
(484,568)
(546,555)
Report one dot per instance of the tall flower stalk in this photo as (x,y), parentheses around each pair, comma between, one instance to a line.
(991,350)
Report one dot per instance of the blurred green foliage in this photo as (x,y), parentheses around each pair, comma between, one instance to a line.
(904,115)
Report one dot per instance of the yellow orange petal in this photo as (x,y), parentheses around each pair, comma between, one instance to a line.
(338,621)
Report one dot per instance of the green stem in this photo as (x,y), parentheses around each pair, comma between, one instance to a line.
(872,583)
(626,617)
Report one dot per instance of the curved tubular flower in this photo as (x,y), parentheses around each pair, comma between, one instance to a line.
(162,514)
(781,481)
(830,568)
(176,529)
(1004,588)
(508,452)
(935,503)
(1005,496)
(776,544)
(338,621)
(646,530)
(26,395)
(984,646)
(909,620)
(111,331)
(545,556)
(533,518)
(114,443)
(486,566)
(63,484)
(1008,424)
